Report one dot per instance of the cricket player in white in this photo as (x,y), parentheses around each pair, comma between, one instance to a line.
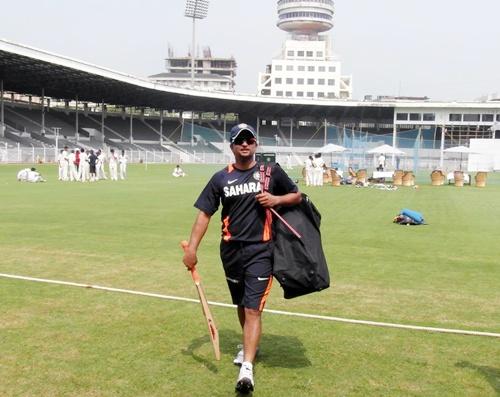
(73,173)
(22,176)
(178,172)
(101,159)
(60,165)
(84,169)
(309,165)
(113,163)
(65,164)
(123,159)
(319,166)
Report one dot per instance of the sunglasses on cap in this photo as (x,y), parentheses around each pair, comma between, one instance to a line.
(248,140)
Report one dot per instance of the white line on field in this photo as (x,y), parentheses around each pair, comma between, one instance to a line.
(303,315)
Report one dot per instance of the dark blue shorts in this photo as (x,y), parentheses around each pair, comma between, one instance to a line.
(248,268)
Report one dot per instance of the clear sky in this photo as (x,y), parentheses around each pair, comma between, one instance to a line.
(445,49)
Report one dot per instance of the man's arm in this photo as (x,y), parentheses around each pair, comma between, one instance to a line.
(269,200)
(197,232)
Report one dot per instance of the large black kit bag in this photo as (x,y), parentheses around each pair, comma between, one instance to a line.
(300,264)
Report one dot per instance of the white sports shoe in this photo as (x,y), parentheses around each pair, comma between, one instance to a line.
(240,356)
(245,383)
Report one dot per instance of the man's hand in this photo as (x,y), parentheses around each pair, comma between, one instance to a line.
(267,200)
(190,259)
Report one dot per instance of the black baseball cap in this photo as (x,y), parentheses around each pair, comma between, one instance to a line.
(241,128)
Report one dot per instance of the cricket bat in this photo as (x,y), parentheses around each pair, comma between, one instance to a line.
(212,329)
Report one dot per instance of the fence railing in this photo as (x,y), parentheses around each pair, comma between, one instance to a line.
(424,159)
(36,155)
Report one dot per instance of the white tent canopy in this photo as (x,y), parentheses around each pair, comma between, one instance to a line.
(459,149)
(331,148)
(386,149)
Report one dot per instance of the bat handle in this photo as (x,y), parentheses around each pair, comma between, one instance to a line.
(195,275)
(194,272)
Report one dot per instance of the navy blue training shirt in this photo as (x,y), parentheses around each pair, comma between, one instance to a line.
(243,218)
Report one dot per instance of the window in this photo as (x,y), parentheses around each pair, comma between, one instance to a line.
(277,80)
(302,68)
(291,53)
(472,117)
(310,94)
(331,81)
(321,94)
(429,117)
(487,117)
(300,93)
(455,117)
(321,69)
(300,53)
(331,69)
(319,54)
(310,68)
(321,81)
(289,68)
(331,95)
(278,68)
(309,54)
(279,93)
(288,93)
(402,116)
(415,117)
(498,117)
(310,81)
(300,81)
(289,80)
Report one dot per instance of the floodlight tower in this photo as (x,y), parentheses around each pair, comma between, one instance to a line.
(195,9)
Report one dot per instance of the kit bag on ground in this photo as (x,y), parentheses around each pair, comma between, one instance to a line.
(300,264)
(409,217)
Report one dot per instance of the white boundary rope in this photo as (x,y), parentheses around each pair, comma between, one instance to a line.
(280,312)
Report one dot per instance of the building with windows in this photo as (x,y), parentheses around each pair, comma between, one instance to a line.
(211,73)
(306,67)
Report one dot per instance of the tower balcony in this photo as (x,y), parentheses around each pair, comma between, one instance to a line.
(308,17)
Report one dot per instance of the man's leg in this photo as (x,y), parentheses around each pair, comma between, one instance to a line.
(252,330)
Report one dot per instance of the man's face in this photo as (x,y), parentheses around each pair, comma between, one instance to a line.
(244,145)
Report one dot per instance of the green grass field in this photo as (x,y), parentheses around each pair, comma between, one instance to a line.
(66,341)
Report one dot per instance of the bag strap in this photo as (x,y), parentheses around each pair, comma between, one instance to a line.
(265,177)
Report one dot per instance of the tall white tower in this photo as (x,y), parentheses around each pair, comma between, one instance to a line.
(305,67)
(306,17)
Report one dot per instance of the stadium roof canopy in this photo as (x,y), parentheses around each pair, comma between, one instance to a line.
(27,70)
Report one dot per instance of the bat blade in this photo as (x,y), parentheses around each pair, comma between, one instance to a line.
(212,328)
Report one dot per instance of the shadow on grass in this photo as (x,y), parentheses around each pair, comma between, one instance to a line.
(492,375)
(276,350)
(191,351)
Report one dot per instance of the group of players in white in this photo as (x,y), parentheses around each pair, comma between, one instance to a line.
(80,165)
(314,167)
